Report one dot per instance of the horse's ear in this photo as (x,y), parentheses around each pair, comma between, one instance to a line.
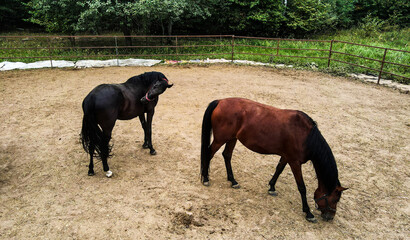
(170,85)
(341,189)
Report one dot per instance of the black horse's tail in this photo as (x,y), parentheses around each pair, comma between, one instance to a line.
(206,138)
(92,137)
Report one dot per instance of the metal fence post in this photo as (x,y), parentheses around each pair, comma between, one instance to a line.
(176,44)
(330,53)
(381,68)
(116,50)
(49,51)
(233,45)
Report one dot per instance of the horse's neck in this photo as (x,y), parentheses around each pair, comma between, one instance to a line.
(327,175)
(321,186)
(139,83)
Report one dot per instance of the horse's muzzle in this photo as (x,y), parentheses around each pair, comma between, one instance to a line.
(327,216)
(144,100)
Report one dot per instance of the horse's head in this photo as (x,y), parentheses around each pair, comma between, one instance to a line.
(156,89)
(327,203)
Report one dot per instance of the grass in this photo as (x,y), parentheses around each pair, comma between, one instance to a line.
(298,53)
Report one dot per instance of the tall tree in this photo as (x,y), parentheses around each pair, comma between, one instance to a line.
(13,14)
(56,16)
(396,12)
(257,17)
(341,13)
(306,16)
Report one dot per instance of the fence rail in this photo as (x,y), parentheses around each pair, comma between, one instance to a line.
(184,45)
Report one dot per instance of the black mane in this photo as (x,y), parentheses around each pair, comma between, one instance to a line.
(145,79)
(322,158)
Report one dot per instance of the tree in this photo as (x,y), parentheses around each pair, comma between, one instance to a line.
(307,16)
(166,13)
(341,13)
(55,16)
(258,17)
(396,12)
(12,14)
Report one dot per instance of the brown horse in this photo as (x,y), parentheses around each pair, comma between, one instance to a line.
(268,130)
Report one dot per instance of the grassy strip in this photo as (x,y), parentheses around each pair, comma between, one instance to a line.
(298,53)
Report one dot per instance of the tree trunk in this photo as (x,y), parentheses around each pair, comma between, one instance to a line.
(170,27)
(169,41)
(163,28)
(127,32)
(72,41)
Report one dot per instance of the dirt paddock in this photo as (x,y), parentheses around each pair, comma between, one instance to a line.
(45,192)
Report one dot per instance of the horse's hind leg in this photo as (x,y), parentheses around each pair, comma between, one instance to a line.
(279,169)
(105,152)
(105,144)
(91,166)
(213,148)
(227,154)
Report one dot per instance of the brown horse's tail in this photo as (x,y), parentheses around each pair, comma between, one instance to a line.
(206,139)
(92,137)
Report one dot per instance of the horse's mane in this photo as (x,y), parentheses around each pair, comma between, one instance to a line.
(321,155)
(144,79)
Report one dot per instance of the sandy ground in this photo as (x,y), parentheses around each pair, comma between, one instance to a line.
(45,192)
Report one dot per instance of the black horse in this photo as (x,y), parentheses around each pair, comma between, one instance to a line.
(108,102)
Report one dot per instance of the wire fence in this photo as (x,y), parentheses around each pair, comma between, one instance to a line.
(326,53)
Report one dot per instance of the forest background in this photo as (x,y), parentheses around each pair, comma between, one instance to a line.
(263,18)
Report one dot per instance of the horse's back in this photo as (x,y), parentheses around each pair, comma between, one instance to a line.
(106,96)
(261,128)
(104,101)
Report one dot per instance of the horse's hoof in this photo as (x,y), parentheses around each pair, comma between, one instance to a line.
(236,186)
(273,193)
(108,174)
(145,146)
(91,174)
(206,184)
(312,220)
(153,152)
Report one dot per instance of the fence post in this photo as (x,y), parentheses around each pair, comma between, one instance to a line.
(49,51)
(176,44)
(116,50)
(381,68)
(277,48)
(330,53)
(233,45)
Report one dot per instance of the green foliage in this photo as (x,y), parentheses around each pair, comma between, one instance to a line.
(271,18)
(341,13)
(306,16)
(12,14)
(55,16)
(396,12)
(260,17)
(370,26)
(98,16)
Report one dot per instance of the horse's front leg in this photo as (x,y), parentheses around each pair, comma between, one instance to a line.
(144,127)
(297,173)
(148,131)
